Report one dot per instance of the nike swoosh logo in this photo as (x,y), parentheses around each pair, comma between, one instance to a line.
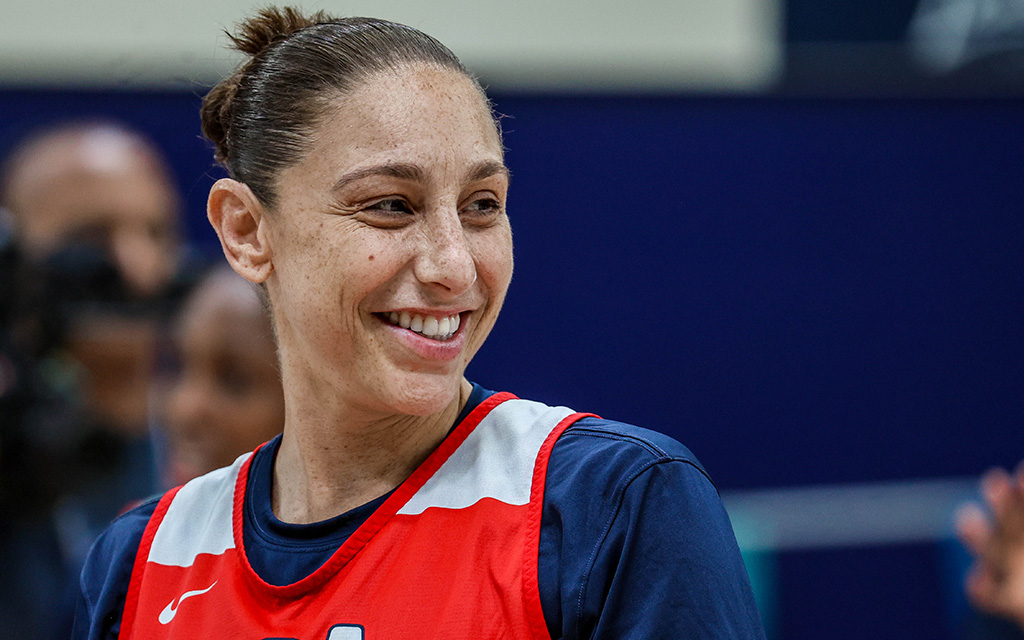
(171,609)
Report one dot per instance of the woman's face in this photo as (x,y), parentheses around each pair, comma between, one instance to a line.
(225,395)
(391,250)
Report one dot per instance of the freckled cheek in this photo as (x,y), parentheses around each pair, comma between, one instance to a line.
(494,262)
(368,279)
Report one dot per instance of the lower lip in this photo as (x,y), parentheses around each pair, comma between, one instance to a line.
(425,347)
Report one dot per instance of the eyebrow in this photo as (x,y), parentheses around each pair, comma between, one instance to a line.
(402,171)
(487,169)
(414,173)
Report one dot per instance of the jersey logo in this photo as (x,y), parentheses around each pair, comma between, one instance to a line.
(171,609)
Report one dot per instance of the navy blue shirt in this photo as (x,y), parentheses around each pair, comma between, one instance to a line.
(634,543)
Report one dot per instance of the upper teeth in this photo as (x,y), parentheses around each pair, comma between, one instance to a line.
(434,327)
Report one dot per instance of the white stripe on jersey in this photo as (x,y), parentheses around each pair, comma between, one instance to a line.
(496,460)
(199,519)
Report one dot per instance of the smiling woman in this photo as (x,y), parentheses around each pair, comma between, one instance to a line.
(367,197)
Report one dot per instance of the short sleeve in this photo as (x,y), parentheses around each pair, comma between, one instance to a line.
(635,542)
(106,574)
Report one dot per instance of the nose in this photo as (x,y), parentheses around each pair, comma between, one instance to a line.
(446,259)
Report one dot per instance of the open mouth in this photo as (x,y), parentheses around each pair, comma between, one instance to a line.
(436,328)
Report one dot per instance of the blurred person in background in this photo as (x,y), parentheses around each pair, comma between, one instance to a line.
(223,396)
(91,267)
(95,205)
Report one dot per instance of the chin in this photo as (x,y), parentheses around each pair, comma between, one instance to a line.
(424,394)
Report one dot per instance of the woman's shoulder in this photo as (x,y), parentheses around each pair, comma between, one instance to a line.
(611,473)
(592,439)
(107,572)
(118,543)
(656,443)
(594,450)
(627,507)
(614,448)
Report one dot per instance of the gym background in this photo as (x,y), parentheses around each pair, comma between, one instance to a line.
(786,232)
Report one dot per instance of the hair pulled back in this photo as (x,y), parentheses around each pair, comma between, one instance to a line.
(261,118)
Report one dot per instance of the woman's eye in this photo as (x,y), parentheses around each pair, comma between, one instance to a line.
(390,213)
(484,207)
(390,206)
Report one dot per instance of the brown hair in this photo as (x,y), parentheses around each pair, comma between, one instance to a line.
(261,117)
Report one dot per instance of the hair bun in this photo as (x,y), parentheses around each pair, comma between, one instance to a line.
(215,116)
(272,25)
(253,36)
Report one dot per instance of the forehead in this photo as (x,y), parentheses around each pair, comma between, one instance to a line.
(421,114)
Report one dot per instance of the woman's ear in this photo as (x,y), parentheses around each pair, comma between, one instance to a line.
(240,221)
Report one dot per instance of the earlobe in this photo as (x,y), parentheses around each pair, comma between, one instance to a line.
(239,219)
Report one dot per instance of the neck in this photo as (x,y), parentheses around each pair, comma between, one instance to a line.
(329,464)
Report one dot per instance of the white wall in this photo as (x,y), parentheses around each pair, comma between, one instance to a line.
(523,44)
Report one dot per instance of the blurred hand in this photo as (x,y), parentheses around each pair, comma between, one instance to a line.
(995,538)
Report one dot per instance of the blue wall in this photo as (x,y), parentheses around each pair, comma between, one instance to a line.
(803,291)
